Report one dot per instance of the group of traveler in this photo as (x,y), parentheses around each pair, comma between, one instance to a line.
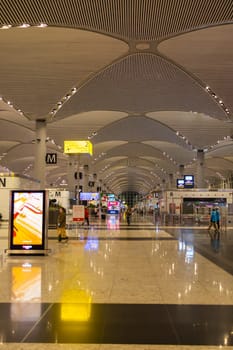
(61,222)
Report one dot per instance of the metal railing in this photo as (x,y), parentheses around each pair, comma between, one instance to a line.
(193,220)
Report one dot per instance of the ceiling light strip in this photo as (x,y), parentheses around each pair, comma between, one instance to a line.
(218,100)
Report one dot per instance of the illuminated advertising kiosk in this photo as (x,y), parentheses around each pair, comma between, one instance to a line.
(113,207)
(28,223)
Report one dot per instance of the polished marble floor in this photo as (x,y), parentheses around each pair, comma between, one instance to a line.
(113,286)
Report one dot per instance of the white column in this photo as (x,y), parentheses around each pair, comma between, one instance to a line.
(96,182)
(171,181)
(181,170)
(200,180)
(85,178)
(100,183)
(163,184)
(71,170)
(40,153)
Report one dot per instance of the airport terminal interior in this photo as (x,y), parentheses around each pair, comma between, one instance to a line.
(106,106)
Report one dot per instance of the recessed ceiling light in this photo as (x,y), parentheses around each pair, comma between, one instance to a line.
(42,25)
(24,25)
(6,26)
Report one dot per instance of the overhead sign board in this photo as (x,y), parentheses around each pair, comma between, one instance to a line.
(89,196)
(77,147)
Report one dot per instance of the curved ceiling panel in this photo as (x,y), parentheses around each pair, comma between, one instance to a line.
(5,146)
(8,112)
(218,162)
(20,165)
(82,126)
(137,129)
(103,147)
(209,57)
(172,151)
(199,129)
(142,83)
(128,174)
(162,166)
(20,149)
(137,163)
(13,131)
(133,148)
(223,149)
(133,19)
(52,61)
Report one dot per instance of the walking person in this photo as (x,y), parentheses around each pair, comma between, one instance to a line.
(213,222)
(218,222)
(61,225)
(128,215)
(218,218)
(86,215)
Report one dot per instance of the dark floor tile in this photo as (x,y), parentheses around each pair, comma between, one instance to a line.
(135,324)
(202,324)
(70,323)
(108,323)
(17,319)
(138,324)
(117,323)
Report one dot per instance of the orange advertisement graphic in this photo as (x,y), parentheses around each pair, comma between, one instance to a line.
(27,218)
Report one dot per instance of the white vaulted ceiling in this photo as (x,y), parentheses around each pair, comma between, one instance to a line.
(149,81)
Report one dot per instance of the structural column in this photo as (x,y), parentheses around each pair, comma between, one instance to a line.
(72,169)
(181,170)
(171,181)
(40,152)
(163,184)
(100,183)
(200,180)
(85,178)
(95,182)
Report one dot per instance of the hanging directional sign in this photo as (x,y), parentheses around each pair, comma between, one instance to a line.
(76,147)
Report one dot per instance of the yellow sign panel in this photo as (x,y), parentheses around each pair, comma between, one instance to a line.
(76,147)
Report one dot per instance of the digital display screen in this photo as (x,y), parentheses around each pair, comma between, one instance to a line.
(27,229)
(111,196)
(89,196)
(188,181)
(180,183)
(113,207)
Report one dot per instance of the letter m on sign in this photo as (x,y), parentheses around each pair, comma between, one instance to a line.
(51,158)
